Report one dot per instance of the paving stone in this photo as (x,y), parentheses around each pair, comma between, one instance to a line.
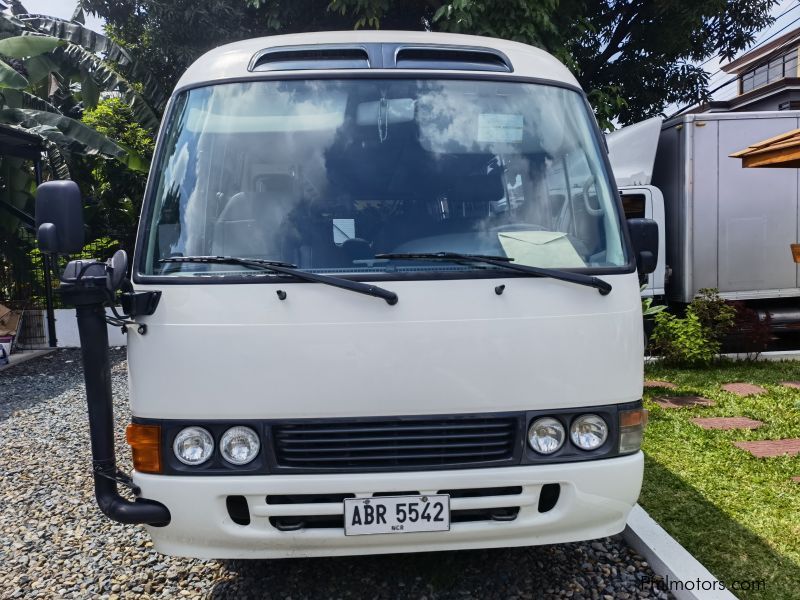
(727,423)
(791,384)
(743,389)
(682,401)
(653,383)
(769,448)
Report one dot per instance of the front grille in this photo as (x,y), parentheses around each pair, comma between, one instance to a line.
(396,444)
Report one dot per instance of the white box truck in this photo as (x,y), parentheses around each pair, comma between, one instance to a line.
(722,226)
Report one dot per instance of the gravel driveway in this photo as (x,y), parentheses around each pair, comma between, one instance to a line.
(54,542)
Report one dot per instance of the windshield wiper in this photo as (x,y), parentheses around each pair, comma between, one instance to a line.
(286,268)
(506,263)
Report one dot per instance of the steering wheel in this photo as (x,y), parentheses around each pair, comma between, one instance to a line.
(595,212)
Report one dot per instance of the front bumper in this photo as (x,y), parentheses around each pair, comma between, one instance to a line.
(595,499)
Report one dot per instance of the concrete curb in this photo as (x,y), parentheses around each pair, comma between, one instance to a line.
(774,355)
(672,561)
(22,356)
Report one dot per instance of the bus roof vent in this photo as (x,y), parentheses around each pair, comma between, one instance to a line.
(456,58)
(317,56)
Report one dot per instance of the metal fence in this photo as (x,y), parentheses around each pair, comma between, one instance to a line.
(23,286)
(28,284)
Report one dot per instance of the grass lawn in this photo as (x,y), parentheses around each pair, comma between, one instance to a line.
(738,515)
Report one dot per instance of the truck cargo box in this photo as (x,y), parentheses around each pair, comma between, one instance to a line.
(727,227)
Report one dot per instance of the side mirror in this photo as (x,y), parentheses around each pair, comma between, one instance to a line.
(644,237)
(59,217)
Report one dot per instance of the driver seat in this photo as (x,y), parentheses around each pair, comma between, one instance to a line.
(253,224)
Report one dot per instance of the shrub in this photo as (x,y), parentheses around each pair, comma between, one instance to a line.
(752,334)
(683,341)
(695,339)
(716,315)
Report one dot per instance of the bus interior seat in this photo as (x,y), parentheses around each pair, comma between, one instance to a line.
(252,224)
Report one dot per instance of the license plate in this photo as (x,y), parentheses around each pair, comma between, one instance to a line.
(396,514)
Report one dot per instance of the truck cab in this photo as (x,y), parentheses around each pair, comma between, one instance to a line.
(632,153)
(383,284)
(647,202)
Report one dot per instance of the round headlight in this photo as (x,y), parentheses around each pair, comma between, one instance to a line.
(546,435)
(588,432)
(193,446)
(239,445)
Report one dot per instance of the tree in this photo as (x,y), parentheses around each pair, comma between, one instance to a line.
(52,75)
(114,194)
(51,70)
(647,52)
(633,57)
(167,36)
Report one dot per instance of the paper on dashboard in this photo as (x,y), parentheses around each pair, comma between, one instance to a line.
(540,249)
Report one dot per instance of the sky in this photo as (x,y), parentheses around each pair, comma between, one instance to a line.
(62,9)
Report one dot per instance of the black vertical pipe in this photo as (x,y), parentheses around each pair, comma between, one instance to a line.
(93,332)
(48,277)
(37,171)
(48,297)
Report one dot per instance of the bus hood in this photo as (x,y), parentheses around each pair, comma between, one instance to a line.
(237,351)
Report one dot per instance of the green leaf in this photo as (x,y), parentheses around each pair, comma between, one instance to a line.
(56,160)
(21,99)
(94,43)
(109,80)
(22,46)
(78,16)
(16,187)
(17,8)
(73,136)
(10,78)
(90,92)
(67,133)
(133,160)
(39,67)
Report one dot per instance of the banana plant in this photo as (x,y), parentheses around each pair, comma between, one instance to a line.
(50,66)
(50,71)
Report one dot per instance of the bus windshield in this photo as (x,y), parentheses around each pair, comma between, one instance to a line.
(325,174)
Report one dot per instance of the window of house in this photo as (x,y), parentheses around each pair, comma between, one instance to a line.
(790,64)
(774,70)
(747,82)
(760,76)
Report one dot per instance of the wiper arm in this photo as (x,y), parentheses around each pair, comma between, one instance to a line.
(504,262)
(286,268)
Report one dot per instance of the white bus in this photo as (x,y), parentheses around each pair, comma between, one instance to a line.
(383,299)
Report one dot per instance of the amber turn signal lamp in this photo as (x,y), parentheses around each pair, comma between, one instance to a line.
(633,418)
(145,442)
(795,252)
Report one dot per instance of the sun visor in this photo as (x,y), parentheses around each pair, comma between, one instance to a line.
(632,152)
(453,123)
